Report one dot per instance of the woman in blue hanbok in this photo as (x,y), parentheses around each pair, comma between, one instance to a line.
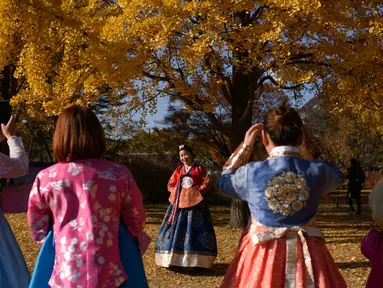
(281,247)
(13,270)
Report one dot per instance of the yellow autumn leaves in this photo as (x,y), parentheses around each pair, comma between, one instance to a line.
(76,51)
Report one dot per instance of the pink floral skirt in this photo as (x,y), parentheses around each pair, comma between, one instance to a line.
(264,265)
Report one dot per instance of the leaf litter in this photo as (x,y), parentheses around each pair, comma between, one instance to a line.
(343,233)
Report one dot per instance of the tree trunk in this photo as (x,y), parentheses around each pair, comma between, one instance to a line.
(244,85)
(31,148)
(239,214)
(46,146)
(8,84)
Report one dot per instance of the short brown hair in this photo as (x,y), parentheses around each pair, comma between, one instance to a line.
(283,124)
(78,135)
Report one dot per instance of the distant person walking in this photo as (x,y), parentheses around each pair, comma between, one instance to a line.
(356,179)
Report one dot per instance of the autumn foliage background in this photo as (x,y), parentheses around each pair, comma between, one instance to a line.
(60,52)
(222,61)
(221,64)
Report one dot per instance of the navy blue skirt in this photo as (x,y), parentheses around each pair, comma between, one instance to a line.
(129,254)
(191,242)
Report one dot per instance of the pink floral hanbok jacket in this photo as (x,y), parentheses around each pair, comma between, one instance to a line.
(85,201)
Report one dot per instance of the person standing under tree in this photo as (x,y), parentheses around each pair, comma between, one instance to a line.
(356,179)
(186,237)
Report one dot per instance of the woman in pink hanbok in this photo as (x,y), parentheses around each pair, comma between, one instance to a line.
(281,247)
(83,199)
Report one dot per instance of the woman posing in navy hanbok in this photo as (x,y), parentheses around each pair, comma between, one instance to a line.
(186,237)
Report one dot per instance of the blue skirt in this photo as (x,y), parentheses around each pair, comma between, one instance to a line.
(129,254)
(13,269)
(191,242)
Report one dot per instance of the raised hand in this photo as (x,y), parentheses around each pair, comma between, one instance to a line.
(8,130)
(252,133)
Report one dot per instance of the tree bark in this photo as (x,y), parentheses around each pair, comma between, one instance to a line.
(243,89)
(8,84)
(239,214)
(46,146)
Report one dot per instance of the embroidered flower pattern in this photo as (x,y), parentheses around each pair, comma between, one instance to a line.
(87,239)
(60,185)
(112,196)
(52,172)
(287,193)
(74,169)
(187,182)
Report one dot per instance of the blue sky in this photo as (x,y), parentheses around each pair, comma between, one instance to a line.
(162,108)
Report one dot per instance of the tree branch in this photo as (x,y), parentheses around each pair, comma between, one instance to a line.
(156,77)
(309,62)
(219,74)
(257,14)
(272,80)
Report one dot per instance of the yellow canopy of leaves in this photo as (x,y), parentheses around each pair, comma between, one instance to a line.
(59,54)
(70,51)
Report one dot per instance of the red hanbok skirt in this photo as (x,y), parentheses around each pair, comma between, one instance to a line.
(264,265)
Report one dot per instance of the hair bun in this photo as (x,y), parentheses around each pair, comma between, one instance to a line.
(283,108)
(283,124)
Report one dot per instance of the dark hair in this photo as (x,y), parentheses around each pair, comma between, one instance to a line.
(186,148)
(283,124)
(78,135)
(354,161)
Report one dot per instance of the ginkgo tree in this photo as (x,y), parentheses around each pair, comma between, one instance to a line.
(60,56)
(201,51)
(67,51)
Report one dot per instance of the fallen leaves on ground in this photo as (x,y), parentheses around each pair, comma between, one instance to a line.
(343,233)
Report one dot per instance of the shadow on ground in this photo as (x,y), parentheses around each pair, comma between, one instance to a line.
(218,270)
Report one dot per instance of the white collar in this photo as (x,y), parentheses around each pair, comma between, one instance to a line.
(284,151)
(279,149)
